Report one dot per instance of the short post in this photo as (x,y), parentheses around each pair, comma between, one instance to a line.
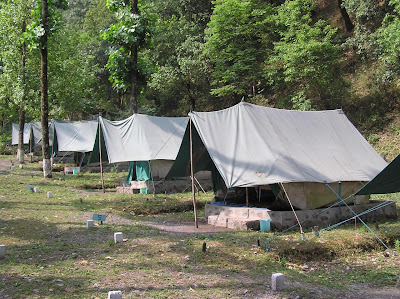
(49,194)
(2,251)
(278,281)
(89,223)
(118,237)
(36,189)
(316,231)
(114,295)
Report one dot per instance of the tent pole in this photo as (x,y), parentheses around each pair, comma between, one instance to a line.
(192,175)
(101,162)
(247,197)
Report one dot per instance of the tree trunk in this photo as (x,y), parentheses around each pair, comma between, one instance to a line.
(21,123)
(346,18)
(44,94)
(133,105)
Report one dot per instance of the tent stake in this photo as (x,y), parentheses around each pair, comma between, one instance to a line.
(192,175)
(101,162)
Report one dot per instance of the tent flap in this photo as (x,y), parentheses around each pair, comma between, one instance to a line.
(387,181)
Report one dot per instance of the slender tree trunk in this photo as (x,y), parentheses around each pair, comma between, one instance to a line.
(346,18)
(21,123)
(133,105)
(44,94)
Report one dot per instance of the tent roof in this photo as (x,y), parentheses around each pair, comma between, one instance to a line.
(143,138)
(252,145)
(75,136)
(14,133)
(387,181)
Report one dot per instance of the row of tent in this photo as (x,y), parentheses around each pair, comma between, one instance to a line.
(244,146)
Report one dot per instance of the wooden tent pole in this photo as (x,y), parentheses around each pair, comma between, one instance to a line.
(101,162)
(192,175)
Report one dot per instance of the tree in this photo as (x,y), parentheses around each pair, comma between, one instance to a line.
(239,37)
(46,21)
(128,36)
(14,17)
(180,73)
(304,66)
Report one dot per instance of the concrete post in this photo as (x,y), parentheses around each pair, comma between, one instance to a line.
(278,281)
(36,189)
(114,295)
(118,237)
(2,251)
(49,194)
(89,223)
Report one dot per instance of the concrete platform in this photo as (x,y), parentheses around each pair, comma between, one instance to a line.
(248,218)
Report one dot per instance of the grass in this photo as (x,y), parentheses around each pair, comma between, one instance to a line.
(50,253)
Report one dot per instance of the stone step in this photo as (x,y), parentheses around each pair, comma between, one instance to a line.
(233,222)
(217,220)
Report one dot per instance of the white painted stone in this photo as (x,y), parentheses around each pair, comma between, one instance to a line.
(89,223)
(12,167)
(36,189)
(2,251)
(118,237)
(49,194)
(278,281)
(114,295)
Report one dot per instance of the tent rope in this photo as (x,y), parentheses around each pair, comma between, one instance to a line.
(376,236)
(377,207)
(298,221)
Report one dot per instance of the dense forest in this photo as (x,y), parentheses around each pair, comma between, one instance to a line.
(167,57)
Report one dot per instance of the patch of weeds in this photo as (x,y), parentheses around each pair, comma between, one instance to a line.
(397,246)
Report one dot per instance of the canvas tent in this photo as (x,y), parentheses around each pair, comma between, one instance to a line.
(32,133)
(15,132)
(152,142)
(387,181)
(75,136)
(249,145)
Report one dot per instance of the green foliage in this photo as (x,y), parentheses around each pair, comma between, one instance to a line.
(305,61)
(238,39)
(36,29)
(131,30)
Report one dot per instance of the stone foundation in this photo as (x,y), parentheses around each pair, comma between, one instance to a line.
(246,218)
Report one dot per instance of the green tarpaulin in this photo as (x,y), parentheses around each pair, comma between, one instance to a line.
(387,181)
(143,171)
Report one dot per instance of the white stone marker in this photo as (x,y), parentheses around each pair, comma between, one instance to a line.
(114,295)
(118,237)
(278,281)
(2,251)
(89,223)
(36,189)
(49,194)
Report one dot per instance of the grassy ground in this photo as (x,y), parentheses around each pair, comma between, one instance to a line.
(50,252)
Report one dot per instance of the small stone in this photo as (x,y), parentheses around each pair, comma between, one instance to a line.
(278,281)
(36,189)
(118,237)
(49,194)
(29,188)
(114,295)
